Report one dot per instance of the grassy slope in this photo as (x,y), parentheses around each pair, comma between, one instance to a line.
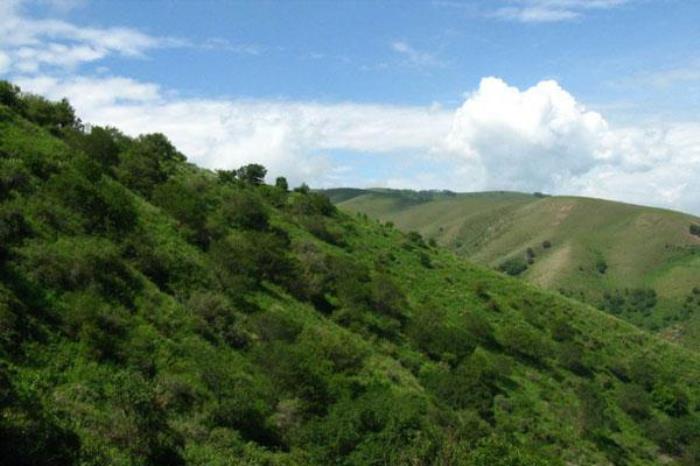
(151,381)
(643,247)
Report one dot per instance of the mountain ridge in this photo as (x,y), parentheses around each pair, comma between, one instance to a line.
(600,251)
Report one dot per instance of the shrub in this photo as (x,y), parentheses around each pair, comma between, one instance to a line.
(522,339)
(415,238)
(253,173)
(472,384)
(10,95)
(281,184)
(246,258)
(546,244)
(601,266)
(189,202)
(244,209)
(694,229)
(572,357)
(634,400)
(310,204)
(100,144)
(150,160)
(513,266)
(433,333)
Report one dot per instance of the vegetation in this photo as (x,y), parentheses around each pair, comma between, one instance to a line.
(194,317)
(513,266)
(587,247)
(694,229)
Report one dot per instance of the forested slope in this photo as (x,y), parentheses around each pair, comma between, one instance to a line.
(152,312)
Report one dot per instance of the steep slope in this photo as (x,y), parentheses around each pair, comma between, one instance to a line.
(155,313)
(606,253)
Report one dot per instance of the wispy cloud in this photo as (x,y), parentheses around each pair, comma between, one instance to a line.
(548,11)
(671,76)
(29,45)
(413,56)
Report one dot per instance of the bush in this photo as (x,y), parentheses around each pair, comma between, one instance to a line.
(243,209)
(253,173)
(281,184)
(635,401)
(546,244)
(149,161)
(246,258)
(10,95)
(694,229)
(415,238)
(514,266)
(188,200)
(310,204)
(433,333)
(601,266)
(522,339)
(572,357)
(71,264)
(472,384)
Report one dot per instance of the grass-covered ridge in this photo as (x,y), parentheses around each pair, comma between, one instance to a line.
(639,263)
(152,312)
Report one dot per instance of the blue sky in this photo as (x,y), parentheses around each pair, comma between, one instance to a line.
(591,97)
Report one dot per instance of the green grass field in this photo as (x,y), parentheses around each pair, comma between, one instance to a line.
(642,247)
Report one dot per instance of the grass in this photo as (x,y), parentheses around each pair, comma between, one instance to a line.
(643,247)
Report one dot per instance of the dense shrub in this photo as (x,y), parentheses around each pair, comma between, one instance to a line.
(601,266)
(694,229)
(513,266)
(150,160)
(242,209)
(522,339)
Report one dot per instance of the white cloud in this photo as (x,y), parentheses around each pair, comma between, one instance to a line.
(413,56)
(290,138)
(546,11)
(526,140)
(664,79)
(31,44)
(4,62)
(543,139)
(501,137)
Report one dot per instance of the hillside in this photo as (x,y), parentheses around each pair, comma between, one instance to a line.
(609,254)
(152,312)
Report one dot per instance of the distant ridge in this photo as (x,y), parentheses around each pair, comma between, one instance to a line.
(610,254)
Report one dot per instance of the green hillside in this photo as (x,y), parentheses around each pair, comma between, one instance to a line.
(152,312)
(640,263)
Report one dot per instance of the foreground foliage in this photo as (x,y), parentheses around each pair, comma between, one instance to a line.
(152,312)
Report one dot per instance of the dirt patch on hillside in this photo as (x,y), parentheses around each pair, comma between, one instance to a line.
(547,269)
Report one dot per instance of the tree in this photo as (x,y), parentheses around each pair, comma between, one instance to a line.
(101,146)
(281,184)
(694,229)
(10,95)
(253,173)
(150,161)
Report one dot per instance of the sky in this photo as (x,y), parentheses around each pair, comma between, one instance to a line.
(582,97)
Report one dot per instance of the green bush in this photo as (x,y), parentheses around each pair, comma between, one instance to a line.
(523,340)
(513,266)
(601,266)
(694,229)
